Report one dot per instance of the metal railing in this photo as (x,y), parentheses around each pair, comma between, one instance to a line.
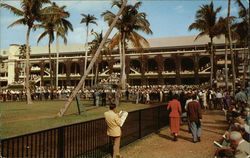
(85,139)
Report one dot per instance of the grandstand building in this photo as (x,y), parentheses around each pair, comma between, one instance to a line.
(173,60)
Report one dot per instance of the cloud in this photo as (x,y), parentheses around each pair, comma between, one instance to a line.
(178,9)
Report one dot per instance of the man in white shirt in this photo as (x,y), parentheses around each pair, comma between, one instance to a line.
(218,100)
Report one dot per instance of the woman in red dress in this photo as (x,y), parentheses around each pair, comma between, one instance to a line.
(175,107)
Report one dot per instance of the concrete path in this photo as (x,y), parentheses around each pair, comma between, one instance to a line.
(160,145)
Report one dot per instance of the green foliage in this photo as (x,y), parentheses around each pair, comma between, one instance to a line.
(22,50)
(130,21)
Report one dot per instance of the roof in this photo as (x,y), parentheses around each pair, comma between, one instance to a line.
(154,43)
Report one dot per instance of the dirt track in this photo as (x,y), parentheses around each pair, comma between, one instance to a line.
(160,145)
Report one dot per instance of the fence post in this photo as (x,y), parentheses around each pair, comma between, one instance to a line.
(140,135)
(158,110)
(60,149)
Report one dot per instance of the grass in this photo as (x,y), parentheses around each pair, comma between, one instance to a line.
(19,118)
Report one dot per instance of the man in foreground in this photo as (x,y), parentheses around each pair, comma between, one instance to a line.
(113,121)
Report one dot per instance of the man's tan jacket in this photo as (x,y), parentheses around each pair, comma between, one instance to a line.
(114,123)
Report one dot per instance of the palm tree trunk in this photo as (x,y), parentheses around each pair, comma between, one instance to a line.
(57,59)
(120,51)
(96,73)
(50,71)
(226,67)
(245,66)
(73,94)
(86,50)
(27,84)
(212,62)
(123,79)
(92,77)
(230,45)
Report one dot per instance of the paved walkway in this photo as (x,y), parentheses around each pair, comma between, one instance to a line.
(161,145)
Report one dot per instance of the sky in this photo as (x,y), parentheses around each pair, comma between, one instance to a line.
(168,18)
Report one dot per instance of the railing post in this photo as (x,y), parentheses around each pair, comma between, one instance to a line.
(140,134)
(158,113)
(60,148)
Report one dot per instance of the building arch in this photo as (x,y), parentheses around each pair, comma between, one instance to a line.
(103,65)
(46,65)
(169,64)
(152,65)
(135,64)
(187,64)
(204,62)
(75,68)
(62,68)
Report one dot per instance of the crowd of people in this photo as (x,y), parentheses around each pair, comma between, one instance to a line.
(236,140)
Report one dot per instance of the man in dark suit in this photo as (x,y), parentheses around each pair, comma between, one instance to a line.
(194,116)
(104,98)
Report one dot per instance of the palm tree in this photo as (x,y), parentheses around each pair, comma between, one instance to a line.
(87,19)
(52,23)
(128,24)
(206,23)
(31,11)
(230,44)
(224,31)
(240,28)
(61,29)
(81,82)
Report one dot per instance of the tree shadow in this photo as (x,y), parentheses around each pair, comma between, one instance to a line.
(215,127)
(184,130)
(212,131)
(171,138)
(216,122)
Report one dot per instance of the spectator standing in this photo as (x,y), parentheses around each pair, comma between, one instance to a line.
(241,97)
(104,98)
(127,95)
(96,95)
(219,98)
(175,113)
(194,116)
(113,121)
(147,98)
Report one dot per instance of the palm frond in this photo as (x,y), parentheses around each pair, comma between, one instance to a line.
(42,36)
(200,35)
(14,10)
(18,22)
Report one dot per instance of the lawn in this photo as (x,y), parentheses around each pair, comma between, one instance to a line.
(18,118)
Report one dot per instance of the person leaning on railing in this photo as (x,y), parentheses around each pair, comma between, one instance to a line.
(113,121)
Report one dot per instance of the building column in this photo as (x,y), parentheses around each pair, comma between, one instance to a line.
(215,65)
(144,64)
(160,61)
(17,71)
(110,65)
(196,68)
(42,67)
(68,71)
(81,64)
(13,56)
(127,68)
(178,68)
